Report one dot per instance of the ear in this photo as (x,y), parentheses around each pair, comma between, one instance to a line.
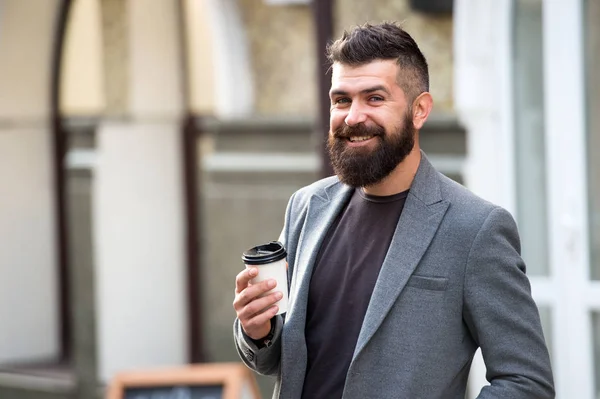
(421,108)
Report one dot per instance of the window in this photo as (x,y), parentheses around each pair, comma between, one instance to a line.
(530,149)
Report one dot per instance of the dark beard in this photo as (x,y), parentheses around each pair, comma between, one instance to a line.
(361,167)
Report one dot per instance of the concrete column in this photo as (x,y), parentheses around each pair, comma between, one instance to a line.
(200,62)
(29,304)
(138,204)
(232,69)
(82,91)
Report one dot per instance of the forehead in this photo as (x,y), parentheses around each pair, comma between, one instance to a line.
(377,72)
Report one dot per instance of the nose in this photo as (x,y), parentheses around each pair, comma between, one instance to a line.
(355,115)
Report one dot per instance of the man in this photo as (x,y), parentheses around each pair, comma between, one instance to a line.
(397,274)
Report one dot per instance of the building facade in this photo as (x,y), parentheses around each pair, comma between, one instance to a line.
(144,144)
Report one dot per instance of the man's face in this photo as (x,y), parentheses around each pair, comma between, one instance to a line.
(371,128)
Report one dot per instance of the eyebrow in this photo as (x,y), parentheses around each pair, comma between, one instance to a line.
(369,90)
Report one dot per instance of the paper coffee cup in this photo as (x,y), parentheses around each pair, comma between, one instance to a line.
(270,261)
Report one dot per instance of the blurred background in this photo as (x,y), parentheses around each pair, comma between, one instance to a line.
(144,144)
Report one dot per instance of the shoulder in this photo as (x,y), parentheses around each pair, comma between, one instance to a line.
(298,208)
(461,197)
(470,210)
(318,188)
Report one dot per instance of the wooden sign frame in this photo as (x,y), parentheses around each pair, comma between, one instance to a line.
(231,376)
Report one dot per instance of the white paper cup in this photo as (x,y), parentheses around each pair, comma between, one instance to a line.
(270,261)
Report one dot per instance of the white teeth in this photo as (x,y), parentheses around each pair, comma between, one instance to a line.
(362,138)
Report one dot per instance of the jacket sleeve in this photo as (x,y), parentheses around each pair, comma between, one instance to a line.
(264,360)
(502,316)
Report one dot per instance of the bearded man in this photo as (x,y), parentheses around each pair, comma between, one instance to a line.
(397,274)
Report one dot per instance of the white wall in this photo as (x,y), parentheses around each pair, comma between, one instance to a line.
(28,256)
(28,267)
(139,248)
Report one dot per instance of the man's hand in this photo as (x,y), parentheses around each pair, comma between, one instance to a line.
(254,312)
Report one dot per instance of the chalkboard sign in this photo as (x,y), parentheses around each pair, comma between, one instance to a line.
(205,381)
(180,392)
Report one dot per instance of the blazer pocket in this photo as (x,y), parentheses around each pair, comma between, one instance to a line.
(428,282)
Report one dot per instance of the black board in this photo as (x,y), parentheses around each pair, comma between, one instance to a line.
(202,381)
(175,392)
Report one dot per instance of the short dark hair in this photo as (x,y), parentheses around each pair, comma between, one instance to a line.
(386,41)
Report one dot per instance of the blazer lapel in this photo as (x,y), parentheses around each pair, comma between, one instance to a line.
(322,211)
(423,212)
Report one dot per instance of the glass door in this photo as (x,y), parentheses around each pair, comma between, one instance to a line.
(553,177)
(527,76)
(555,131)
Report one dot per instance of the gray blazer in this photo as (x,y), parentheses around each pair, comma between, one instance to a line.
(452,281)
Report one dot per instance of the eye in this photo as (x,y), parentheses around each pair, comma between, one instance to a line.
(376,98)
(342,100)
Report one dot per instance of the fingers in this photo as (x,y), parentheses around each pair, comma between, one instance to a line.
(243,278)
(259,326)
(258,306)
(252,292)
(254,310)
(255,316)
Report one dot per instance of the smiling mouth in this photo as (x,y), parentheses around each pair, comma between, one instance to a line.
(359,138)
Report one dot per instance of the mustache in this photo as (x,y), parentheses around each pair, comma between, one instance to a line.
(345,131)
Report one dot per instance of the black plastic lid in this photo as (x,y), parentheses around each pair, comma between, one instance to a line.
(263,254)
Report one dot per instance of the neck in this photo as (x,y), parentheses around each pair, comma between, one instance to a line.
(401,177)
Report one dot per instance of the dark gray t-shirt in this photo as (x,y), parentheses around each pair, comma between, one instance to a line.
(343,279)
